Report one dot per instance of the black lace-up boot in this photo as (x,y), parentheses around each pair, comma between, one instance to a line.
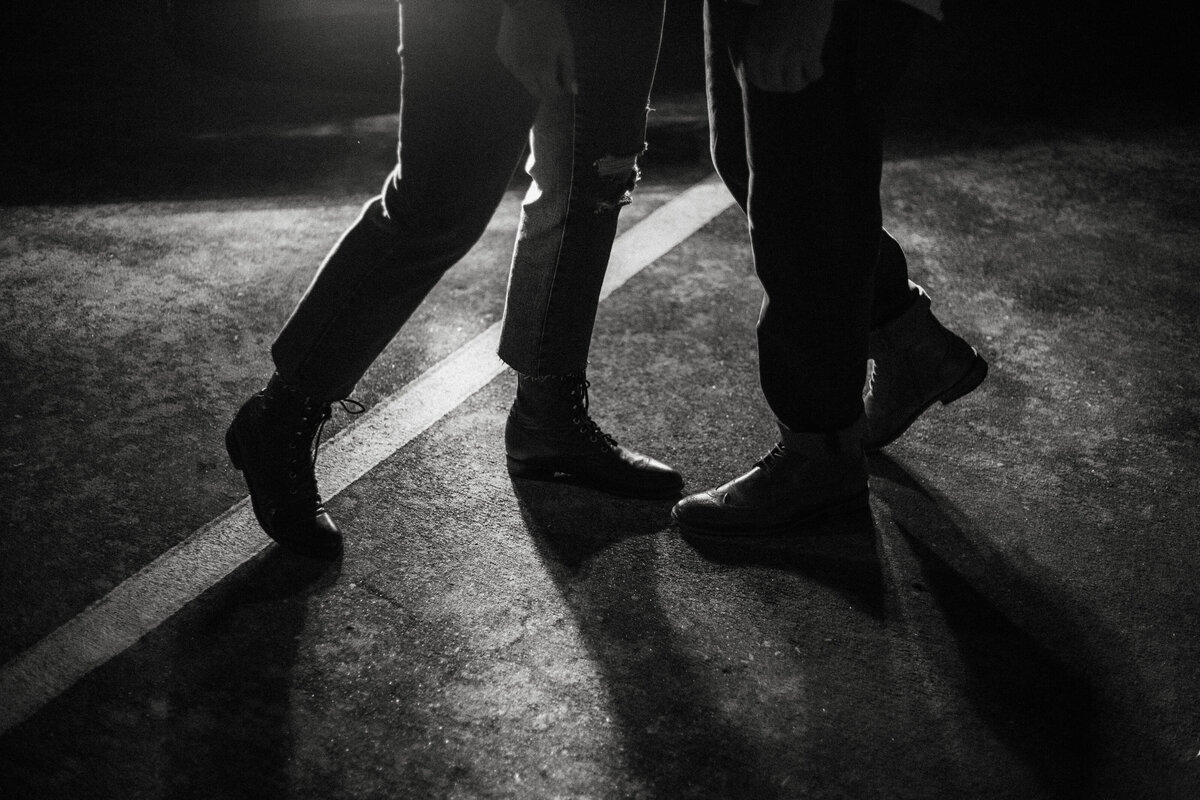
(805,477)
(550,433)
(272,441)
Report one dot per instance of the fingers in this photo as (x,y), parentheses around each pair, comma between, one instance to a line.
(534,43)
(783,43)
(548,80)
(789,71)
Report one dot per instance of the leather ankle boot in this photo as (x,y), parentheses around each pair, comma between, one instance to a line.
(272,441)
(917,362)
(805,477)
(550,434)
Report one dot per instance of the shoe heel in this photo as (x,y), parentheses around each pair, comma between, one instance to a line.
(234,449)
(967,383)
(524,469)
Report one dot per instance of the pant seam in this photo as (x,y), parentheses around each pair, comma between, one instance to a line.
(561,237)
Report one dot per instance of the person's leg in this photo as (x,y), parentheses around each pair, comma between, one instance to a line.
(915,360)
(726,112)
(815,159)
(583,167)
(463,125)
(815,219)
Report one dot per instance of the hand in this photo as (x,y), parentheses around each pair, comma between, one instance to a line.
(784,41)
(535,45)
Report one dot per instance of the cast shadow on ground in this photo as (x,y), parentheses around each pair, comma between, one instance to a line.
(228,730)
(1034,700)
(1024,676)
(837,551)
(676,743)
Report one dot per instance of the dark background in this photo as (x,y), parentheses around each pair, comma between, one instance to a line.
(111,100)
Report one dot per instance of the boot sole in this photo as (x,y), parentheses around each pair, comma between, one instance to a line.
(964,386)
(548,473)
(856,503)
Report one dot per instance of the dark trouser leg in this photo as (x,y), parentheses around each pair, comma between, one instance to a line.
(805,167)
(464,121)
(811,169)
(463,125)
(894,292)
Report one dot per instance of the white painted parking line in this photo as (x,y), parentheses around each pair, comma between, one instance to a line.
(147,599)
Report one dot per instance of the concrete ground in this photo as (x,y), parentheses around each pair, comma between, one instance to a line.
(1014,619)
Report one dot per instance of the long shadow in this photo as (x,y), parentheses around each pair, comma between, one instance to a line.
(1037,704)
(228,729)
(1036,669)
(676,743)
(838,552)
(1029,662)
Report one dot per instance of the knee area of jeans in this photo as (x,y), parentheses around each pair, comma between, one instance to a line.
(612,180)
(430,212)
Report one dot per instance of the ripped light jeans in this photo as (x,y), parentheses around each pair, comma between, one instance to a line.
(464,123)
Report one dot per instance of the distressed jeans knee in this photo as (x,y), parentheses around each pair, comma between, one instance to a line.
(618,175)
(568,222)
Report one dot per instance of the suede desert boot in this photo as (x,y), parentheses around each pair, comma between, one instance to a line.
(917,362)
(805,477)
(272,441)
(550,433)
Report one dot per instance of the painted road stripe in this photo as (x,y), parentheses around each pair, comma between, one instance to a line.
(147,599)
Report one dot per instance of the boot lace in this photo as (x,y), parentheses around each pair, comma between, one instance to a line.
(301,467)
(583,421)
(768,462)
